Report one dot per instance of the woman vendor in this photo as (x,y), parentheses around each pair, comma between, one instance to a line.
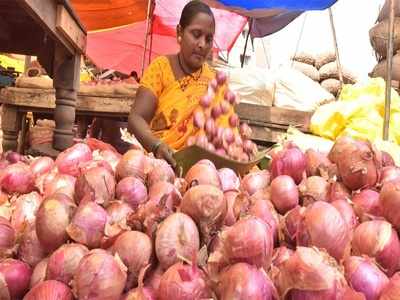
(171,87)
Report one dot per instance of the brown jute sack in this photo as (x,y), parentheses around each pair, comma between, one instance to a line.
(384,13)
(324,58)
(306,69)
(379,37)
(331,85)
(304,57)
(380,69)
(330,70)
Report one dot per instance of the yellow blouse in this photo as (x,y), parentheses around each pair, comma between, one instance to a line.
(177,100)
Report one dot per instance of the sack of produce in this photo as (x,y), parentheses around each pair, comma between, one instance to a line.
(331,85)
(324,58)
(380,69)
(41,82)
(379,37)
(306,69)
(384,13)
(330,70)
(304,57)
(42,132)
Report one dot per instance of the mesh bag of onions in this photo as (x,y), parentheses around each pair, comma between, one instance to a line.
(216,109)
(94,224)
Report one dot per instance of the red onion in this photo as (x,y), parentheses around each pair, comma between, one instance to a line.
(50,290)
(154,278)
(244,281)
(309,274)
(41,165)
(24,211)
(132,191)
(15,276)
(30,250)
(338,191)
(229,180)
(182,282)
(316,163)
(203,174)
(199,119)
(230,97)
(365,277)
(166,192)
(234,120)
(250,148)
(216,111)
(132,163)
(202,141)
(314,188)
(140,293)
(389,201)
(88,225)
(338,147)
(228,136)
(176,237)
(347,213)
(206,205)
(379,240)
(291,223)
(231,215)
(117,212)
(61,183)
(390,173)
(205,101)
(14,157)
(210,129)
(281,254)
(323,226)
(111,157)
(161,171)
(17,178)
(39,273)
(100,276)
(85,167)
(245,131)
(69,160)
(225,107)
(213,84)
(221,77)
(284,193)
(135,250)
(289,161)
(249,240)
(387,159)
(7,235)
(366,204)
(52,219)
(264,210)
(191,141)
(392,289)
(255,181)
(221,152)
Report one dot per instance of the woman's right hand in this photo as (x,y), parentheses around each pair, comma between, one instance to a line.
(165,152)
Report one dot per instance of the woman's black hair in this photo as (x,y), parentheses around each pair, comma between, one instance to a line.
(191,9)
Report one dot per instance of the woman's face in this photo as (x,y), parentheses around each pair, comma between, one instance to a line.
(196,40)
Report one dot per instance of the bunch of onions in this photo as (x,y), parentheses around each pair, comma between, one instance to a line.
(69,160)
(255,181)
(229,180)
(96,184)
(16,275)
(366,204)
(347,213)
(392,289)
(244,281)
(30,250)
(161,171)
(202,173)
(389,199)
(284,193)
(206,205)
(231,214)
(132,164)
(322,226)
(60,183)
(316,163)
(17,178)
(100,274)
(50,290)
(183,282)
(41,165)
(365,277)
(132,191)
(379,240)
(177,236)
(338,191)
(64,262)
(135,250)
(289,161)
(88,225)
(7,235)
(388,174)
(291,223)
(264,210)
(24,210)
(314,188)
(309,273)
(39,273)
(53,217)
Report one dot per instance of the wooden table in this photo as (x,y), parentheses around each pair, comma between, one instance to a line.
(50,30)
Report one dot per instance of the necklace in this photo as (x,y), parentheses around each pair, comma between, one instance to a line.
(184,82)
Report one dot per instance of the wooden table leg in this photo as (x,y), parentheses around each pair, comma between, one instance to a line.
(11,125)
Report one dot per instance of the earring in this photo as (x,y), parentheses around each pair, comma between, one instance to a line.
(179,39)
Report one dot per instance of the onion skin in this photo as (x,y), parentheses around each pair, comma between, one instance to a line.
(7,235)
(118,212)
(99,277)
(88,225)
(24,211)
(291,224)
(347,213)
(52,219)
(389,199)
(69,160)
(392,289)
(96,184)
(203,174)
(338,191)
(231,214)
(207,206)
(39,273)
(132,191)
(30,250)
(379,240)
(111,157)
(161,171)
(17,178)
(388,174)
(64,262)
(264,210)
(365,277)
(387,159)
(323,227)
(281,254)
(176,235)
(50,290)
(314,188)
(316,163)
(135,250)
(366,204)
(16,275)
(255,181)
(284,193)
(229,180)
(60,183)
(132,164)
(140,293)
(154,278)
(41,165)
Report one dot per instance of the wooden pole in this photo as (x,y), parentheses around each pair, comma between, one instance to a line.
(389,59)
(247,41)
(149,3)
(338,64)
